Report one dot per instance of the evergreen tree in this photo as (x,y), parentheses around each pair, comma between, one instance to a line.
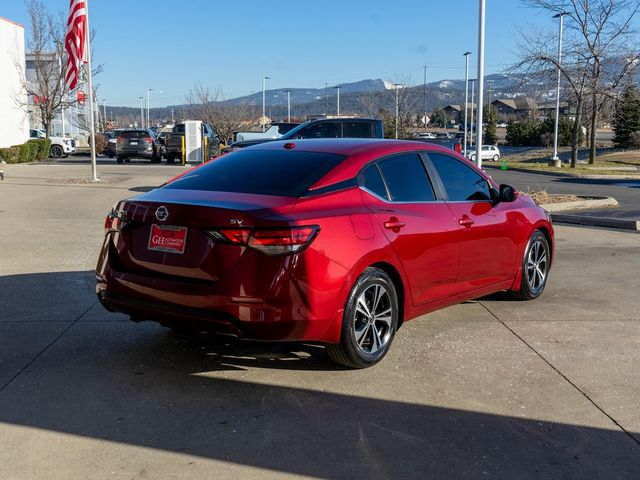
(490,134)
(627,117)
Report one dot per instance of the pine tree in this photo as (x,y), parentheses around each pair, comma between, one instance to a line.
(490,134)
(627,117)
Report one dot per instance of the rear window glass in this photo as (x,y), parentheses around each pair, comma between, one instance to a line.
(134,134)
(284,173)
(356,130)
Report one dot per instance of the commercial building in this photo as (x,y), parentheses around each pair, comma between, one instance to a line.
(14,117)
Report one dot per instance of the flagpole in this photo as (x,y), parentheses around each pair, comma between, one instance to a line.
(87,46)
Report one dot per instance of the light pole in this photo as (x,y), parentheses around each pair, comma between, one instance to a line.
(473,92)
(425,96)
(466,98)
(555,160)
(480,83)
(104,108)
(148,107)
(141,112)
(338,100)
(289,106)
(397,87)
(264,80)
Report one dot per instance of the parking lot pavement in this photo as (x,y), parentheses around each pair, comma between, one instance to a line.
(493,388)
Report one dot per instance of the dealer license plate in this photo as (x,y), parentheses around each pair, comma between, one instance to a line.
(167,238)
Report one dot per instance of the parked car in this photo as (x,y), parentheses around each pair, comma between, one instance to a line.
(489,152)
(138,143)
(274,132)
(425,135)
(359,237)
(502,125)
(60,147)
(112,138)
(324,128)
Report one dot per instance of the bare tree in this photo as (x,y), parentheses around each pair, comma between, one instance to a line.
(600,51)
(210,107)
(45,44)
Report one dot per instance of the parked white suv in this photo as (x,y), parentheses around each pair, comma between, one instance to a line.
(489,152)
(60,147)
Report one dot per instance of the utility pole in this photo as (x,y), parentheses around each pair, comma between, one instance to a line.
(172,120)
(397,87)
(264,79)
(289,106)
(104,107)
(425,96)
(473,92)
(326,97)
(338,100)
(141,112)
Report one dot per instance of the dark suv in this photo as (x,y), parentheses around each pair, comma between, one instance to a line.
(137,143)
(325,128)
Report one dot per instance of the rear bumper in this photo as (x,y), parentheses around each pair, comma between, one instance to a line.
(125,153)
(290,310)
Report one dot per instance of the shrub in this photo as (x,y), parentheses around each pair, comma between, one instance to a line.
(635,139)
(101,143)
(28,152)
(10,154)
(44,145)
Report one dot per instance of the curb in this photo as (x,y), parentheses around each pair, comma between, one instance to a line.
(588,203)
(633,225)
(568,175)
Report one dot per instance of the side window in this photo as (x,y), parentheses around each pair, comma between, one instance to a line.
(407,179)
(356,130)
(461,182)
(321,130)
(370,179)
(179,128)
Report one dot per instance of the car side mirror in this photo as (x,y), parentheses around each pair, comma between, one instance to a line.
(507,193)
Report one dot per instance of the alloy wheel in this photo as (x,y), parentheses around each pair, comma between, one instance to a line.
(372,322)
(537,266)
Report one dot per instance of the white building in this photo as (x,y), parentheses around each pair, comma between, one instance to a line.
(14,119)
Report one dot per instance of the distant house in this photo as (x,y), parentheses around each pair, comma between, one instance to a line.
(455,113)
(547,108)
(511,108)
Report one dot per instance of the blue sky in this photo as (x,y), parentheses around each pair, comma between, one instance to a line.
(226,44)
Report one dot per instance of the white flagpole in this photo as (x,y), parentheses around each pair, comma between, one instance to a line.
(87,46)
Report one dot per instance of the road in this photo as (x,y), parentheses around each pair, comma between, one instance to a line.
(626,192)
(493,388)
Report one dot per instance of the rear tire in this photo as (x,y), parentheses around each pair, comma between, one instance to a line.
(170,159)
(119,159)
(369,321)
(535,267)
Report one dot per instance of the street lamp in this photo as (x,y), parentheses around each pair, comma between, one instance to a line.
(141,112)
(425,96)
(289,106)
(104,109)
(480,83)
(264,79)
(338,100)
(556,161)
(473,92)
(148,119)
(397,87)
(466,97)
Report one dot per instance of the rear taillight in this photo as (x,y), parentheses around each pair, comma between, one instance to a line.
(120,140)
(457,148)
(272,241)
(114,221)
(148,139)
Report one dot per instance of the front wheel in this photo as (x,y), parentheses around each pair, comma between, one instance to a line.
(369,321)
(496,158)
(535,267)
(56,151)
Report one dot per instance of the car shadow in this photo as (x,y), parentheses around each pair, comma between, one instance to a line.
(144,386)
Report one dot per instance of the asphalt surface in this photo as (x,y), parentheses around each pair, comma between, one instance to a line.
(494,388)
(626,192)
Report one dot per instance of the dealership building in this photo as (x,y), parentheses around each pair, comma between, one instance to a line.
(14,117)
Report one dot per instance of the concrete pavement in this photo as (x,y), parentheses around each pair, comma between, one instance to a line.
(493,388)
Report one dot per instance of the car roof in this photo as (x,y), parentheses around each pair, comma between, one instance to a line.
(359,150)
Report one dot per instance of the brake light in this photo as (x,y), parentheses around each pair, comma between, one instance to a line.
(148,139)
(457,148)
(120,139)
(114,221)
(271,241)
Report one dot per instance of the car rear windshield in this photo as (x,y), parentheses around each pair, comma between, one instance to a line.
(135,134)
(285,173)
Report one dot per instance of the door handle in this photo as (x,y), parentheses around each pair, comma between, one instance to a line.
(465,221)
(393,224)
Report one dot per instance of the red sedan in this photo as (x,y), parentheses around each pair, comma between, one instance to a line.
(334,241)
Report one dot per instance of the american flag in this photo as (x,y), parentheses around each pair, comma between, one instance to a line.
(74,41)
